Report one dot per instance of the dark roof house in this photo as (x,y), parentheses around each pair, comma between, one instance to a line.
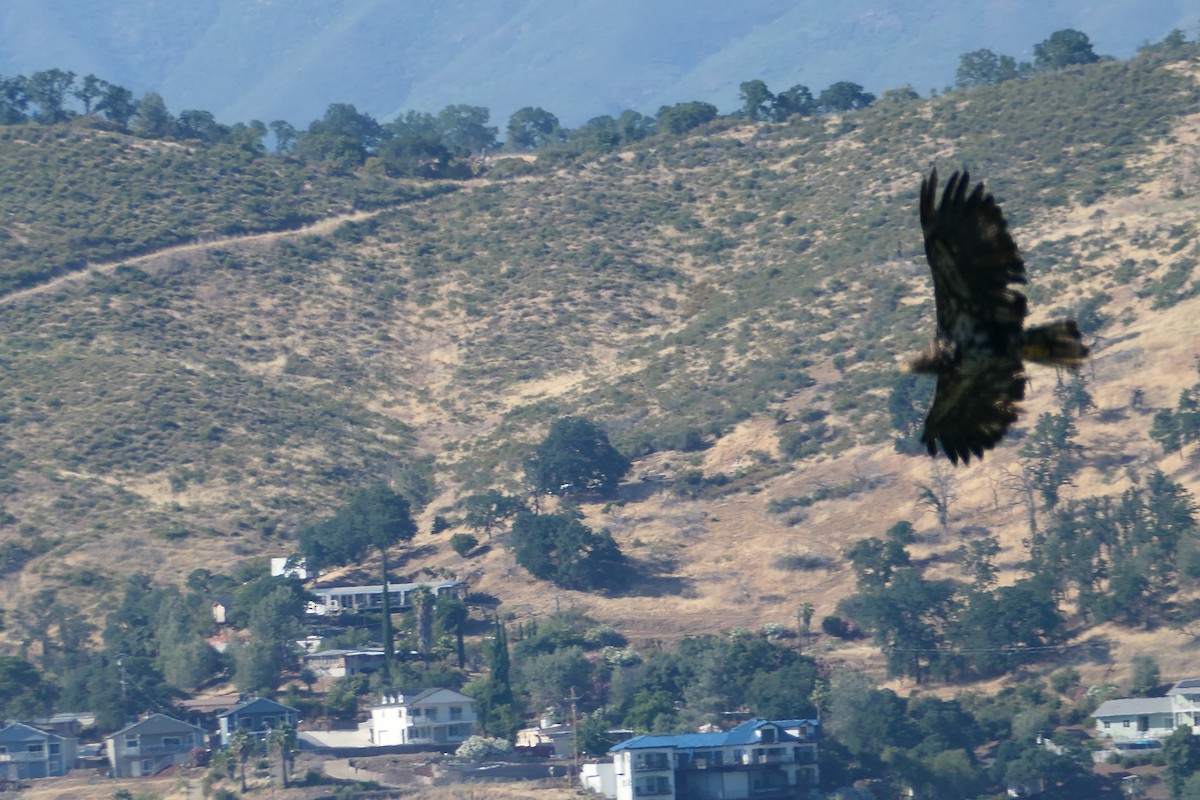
(258,715)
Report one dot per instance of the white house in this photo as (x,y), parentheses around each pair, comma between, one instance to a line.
(1147,718)
(429,716)
(335,599)
(599,778)
(766,759)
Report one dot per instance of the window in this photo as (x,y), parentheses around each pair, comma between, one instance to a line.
(54,748)
(431,714)
(652,785)
(36,747)
(652,761)
(455,712)
(147,765)
(131,742)
(170,741)
(761,781)
(767,735)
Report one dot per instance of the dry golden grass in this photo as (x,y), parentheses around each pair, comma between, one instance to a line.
(92,787)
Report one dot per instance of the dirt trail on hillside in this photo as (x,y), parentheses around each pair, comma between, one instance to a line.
(320,228)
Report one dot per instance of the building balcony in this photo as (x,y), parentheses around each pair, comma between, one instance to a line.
(766,759)
(155,749)
(22,758)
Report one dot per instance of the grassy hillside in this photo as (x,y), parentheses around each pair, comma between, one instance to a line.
(735,303)
(73,196)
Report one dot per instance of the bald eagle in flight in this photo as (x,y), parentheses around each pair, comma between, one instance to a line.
(982,343)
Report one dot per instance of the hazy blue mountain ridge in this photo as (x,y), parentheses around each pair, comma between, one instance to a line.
(272,60)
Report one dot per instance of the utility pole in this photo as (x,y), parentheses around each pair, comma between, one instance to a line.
(573,697)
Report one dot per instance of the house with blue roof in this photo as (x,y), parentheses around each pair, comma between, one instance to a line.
(256,716)
(761,759)
(28,752)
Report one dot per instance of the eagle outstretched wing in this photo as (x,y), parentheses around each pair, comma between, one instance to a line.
(980,318)
(973,407)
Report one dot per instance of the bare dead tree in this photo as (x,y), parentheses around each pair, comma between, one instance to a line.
(1024,489)
(939,492)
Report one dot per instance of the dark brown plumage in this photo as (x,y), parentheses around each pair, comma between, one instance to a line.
(981,345)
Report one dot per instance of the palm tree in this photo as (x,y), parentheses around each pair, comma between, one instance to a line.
(241,744)
(805,612)
(283,740)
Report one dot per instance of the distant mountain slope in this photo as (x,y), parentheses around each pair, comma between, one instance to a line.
(290,60)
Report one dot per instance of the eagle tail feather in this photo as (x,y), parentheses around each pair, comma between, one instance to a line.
(1057,344)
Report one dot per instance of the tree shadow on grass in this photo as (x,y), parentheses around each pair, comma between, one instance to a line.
(652,580)
(412,554)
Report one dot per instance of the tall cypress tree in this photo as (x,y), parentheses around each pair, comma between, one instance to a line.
(501,687)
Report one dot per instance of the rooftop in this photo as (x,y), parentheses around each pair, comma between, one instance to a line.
(1133,705)
(746,733)
(1188,683)
(341,591)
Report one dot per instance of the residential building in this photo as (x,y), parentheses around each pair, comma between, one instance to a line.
(335,599)
(258,715)
(555,737)
(1150,718)
(220,608)
(429,716)
(151,745)
(338,663)
(761,759)
(599,778)
(28,752)
(1135,718)
(298,567)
